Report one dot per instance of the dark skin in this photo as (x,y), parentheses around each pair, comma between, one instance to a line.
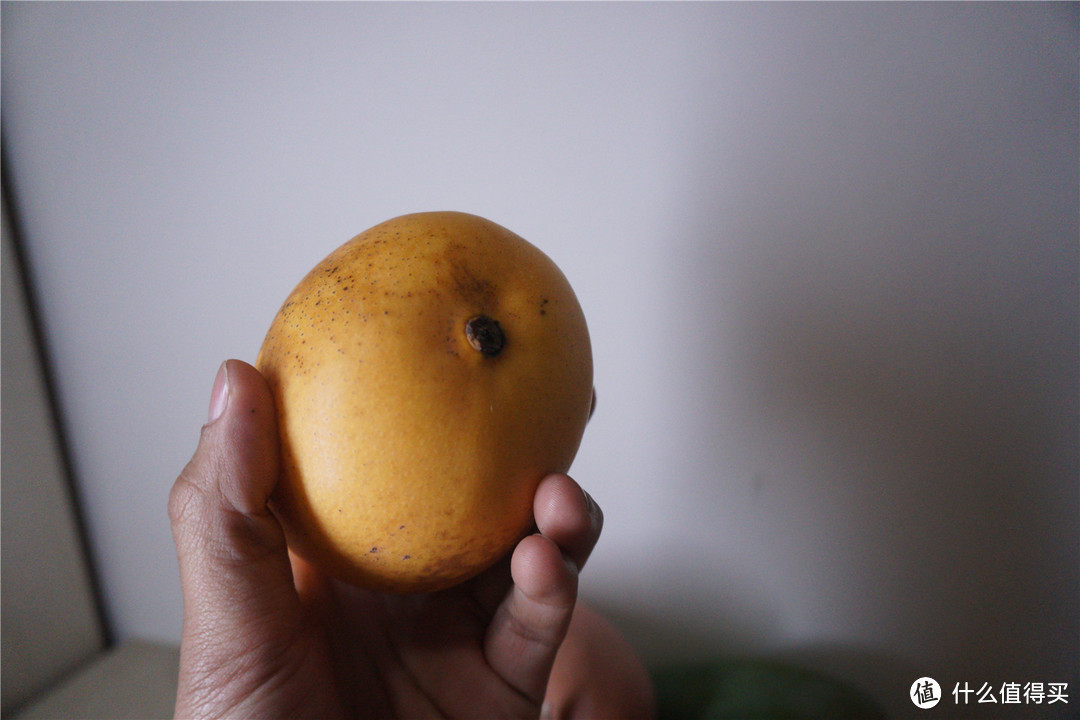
(267,635)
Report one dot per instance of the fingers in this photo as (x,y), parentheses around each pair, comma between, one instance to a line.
(234,567)
(569,516)
(531,622)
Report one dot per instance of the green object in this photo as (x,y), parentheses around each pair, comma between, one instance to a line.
(756,690)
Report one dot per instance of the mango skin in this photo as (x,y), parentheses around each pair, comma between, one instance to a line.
(409,458)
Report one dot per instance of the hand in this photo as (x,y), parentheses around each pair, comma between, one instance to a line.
(267,635)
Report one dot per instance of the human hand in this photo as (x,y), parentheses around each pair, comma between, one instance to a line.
(267,635)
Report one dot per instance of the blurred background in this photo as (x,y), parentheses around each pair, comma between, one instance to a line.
(828,254)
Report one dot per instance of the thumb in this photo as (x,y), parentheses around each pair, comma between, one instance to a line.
(234,565)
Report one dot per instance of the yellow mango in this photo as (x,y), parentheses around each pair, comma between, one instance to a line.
(427,374)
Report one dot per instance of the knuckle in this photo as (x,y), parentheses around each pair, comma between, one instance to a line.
(532,631)
(184,497)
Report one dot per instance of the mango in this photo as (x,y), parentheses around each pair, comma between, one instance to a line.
(426,375)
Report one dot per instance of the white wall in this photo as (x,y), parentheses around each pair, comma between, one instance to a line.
(828,254)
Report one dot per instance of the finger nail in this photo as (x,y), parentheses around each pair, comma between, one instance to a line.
(590,504)
(219,396)
(596,514)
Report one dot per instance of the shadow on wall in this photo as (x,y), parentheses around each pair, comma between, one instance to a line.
(885,339)
(902,362)
(901,396)
(916,365)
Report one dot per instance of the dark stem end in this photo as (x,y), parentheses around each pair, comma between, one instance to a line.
(485,335)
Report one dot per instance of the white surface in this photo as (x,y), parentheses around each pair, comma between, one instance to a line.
(828,254)
(133,681)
